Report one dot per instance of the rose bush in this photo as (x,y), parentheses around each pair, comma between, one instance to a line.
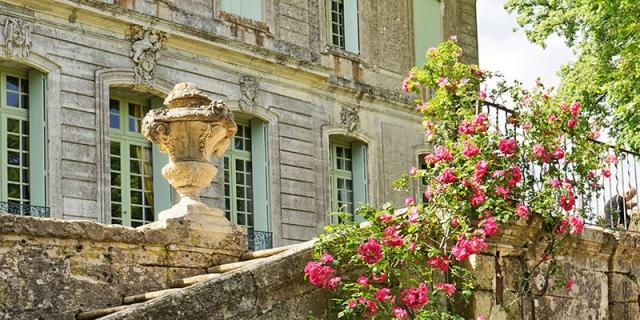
(404,262)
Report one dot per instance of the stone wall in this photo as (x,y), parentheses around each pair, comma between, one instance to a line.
(83,46)
(51,269)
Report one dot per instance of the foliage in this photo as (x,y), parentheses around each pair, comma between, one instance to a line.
(407,262)
(606,75)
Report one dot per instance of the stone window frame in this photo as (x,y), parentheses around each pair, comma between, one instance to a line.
(372,166)
(350,25)
(106,79)
(52,153)
(272,137)
(267,24)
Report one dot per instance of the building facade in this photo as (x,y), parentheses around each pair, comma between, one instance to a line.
(314,86)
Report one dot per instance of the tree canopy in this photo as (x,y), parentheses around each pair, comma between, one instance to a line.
(606,37)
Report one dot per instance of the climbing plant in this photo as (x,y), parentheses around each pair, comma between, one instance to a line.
(405,262)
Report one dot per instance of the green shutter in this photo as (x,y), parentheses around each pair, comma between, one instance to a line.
(427,27)
(360,190)
(37,138)
(251,9)
(259,164)
(161,187)
(351,35)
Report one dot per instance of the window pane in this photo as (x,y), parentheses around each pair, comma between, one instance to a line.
(13,142)
(116,210)
(12,99)
(13,190)
(13,158)
(13,125)
(136,212)
(13,83)
(13,174)
(116,195)
(24,102)
(115,147)
(136,182)
(136,197)
(24,86)
(115,163)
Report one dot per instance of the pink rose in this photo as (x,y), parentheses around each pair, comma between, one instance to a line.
(606,173)
(502,191)
(576,224)
(326,258)
(447,288)
(383,294)
(569,284)
(448,176)
(478,198)
(385,217)
(611,158)
(558,153)
(507,146)
(443,81)
(378,278)
(442,154)
(318,274)
(526,126)
(555,182)
(413,171)
(538,151)
(441,263)
(572,123)
(575,108)
(490,226)
(415,298)
(482,95)
(481,169)
(370,251)
(400,313)
(469,150)
(522,211)
(408,201)
(466,127)
(363,281)
(333,283)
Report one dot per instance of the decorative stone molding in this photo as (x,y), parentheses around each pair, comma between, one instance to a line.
(249,89)
(145,50)
(349,118)
(17,37)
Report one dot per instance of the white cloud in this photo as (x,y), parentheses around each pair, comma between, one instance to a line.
(511,53)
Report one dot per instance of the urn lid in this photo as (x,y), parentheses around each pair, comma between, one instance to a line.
(184,95)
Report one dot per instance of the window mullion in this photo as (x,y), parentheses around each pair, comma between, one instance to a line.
(125,183)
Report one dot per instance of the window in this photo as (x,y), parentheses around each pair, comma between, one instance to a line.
(251,9)
(245,177)
(348,175)
(342,24)
(22,136)
(427,27)
(138,190)
(422,184)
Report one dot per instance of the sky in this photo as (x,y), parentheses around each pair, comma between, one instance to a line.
(511,53)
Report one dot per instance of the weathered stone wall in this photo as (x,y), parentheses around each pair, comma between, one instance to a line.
(51,269)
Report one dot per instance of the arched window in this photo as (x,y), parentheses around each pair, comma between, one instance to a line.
(22,142)
(348,174)
(138,191)
(245,176)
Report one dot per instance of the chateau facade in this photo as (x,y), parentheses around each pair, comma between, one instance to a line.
(314,86)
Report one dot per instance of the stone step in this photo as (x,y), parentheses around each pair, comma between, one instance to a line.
(98,313)
(266,253)
(232,266)
(185,282)
(147,296)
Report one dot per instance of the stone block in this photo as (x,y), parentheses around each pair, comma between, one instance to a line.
(623,288)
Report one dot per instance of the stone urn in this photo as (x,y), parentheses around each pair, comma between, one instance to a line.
(190,130)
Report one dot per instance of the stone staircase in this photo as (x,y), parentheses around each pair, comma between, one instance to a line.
(177,285)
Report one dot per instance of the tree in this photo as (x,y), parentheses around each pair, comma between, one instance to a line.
(606,38)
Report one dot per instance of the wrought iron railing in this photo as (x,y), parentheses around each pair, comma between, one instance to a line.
(624,173)
(259,240)
(23,209)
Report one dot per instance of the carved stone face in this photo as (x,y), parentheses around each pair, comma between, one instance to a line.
(20,36)
(154,38)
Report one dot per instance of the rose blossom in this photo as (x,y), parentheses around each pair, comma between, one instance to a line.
(567,201)
(575,108)
(319,274)
(479,122)
(490,226)
(378,278)
(507,146)
(442,154)
(502,191)
(408,201)
(481,318)
(443,81)
(413,171)
(370,251)
(385,217)
(606,173)
(465,127)
(415,298)
(611,158)
(538,150)
(576,224)
(482,94)
(571,123)
(526,126)
(441,263)
(464,248)
(522,211)
(364,281)
(447,288)
(558,153)
(478,198)
(448,176)
(333,283)
(481,169)
(383,294)
(327,258)
(516,175)
(555,182)
(569,284)
(470,150)
(399,313)
(413,215)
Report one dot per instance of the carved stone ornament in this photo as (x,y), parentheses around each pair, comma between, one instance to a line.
(349,118)
(190,130)
(17,37)
(249,89)
(145,50)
